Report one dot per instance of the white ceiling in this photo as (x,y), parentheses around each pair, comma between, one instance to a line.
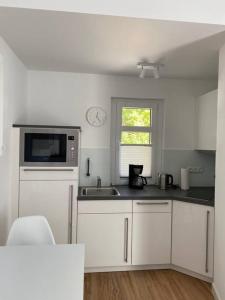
(200,11)
(60,41)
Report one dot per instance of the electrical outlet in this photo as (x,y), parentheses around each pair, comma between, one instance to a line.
(196,169)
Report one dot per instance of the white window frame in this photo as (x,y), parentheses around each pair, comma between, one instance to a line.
(156,131)
(1,104)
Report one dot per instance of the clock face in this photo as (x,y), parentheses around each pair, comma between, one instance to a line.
(96,116)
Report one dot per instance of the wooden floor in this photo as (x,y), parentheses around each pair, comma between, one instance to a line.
(145,285)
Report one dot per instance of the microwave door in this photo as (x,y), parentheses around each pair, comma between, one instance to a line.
(44,147)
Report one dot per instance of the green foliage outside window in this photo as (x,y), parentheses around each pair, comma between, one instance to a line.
(136,116)
(130,138)
(139,117)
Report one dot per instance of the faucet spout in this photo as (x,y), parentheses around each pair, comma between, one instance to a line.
(99,182)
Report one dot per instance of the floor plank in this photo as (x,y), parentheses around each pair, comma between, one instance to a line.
(145,285)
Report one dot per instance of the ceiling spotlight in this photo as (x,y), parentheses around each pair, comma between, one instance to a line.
(154,67)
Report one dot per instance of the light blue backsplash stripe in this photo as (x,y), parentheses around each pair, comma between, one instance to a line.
(174,160)
(99,166)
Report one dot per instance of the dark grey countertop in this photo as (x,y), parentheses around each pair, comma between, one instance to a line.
(198,195)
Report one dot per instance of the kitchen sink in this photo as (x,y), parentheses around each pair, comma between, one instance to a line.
(103,191)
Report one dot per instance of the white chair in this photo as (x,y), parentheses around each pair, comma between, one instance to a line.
(33,230)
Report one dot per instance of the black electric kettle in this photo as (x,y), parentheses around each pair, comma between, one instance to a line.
(165,181)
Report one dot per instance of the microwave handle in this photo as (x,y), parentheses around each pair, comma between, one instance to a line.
(49,169)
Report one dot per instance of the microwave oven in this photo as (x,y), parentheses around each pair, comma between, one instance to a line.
(49,147)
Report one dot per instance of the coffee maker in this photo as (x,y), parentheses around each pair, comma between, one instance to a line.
(135,180)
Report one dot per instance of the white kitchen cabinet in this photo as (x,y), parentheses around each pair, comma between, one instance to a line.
(49,173)
(56,200)
(151,240)
(206,121)
(104,207)
(192,239)
(107,239)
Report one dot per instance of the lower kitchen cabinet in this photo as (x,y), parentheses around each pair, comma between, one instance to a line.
(193,235)
(54,200)
(107,239)
(151,240)
(147,232)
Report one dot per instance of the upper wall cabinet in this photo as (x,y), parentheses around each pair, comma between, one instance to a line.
(206,121)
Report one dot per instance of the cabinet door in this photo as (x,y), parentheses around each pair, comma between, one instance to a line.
(107,239)
(193,231)
(151,241)
(53,200)
(206,121)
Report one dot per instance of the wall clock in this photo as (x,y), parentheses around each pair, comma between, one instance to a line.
(96,116)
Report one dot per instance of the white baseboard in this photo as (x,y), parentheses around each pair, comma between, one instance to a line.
(148,267)
(215,292)
(191,273)
(127,268)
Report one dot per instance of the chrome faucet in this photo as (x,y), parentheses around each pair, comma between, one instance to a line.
(99,182)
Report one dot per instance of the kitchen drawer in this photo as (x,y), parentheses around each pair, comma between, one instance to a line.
(104,206)
(48,173)
(152,206)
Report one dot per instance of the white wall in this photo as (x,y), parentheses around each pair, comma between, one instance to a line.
(63,98)
(219,276)
(14,100)
(202,11)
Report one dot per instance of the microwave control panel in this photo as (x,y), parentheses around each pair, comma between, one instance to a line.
(72,147)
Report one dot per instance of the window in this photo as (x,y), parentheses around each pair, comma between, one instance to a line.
(135,138)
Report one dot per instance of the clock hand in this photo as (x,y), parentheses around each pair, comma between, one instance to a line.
(97,116)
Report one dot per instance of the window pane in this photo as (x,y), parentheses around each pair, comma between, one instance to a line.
(132,116)
(131,137)
(137,155)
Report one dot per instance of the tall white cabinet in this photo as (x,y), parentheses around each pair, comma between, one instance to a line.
(54,200)
(206,120)
(192,239)
(47,191)
(51,192)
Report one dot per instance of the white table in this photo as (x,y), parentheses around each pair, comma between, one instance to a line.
(42,272)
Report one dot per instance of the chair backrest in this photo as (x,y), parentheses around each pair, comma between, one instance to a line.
(33,230)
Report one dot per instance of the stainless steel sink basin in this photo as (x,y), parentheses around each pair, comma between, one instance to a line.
(103,191)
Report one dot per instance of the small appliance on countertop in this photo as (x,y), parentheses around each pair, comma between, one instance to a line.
(165,181)
(136,181)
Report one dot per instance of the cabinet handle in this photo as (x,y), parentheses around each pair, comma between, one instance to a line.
(207,242)
(70,219)
(152,203)
(126,240)
(50,169)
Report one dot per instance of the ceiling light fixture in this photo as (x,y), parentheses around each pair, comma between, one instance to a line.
(143,72)
(154,67)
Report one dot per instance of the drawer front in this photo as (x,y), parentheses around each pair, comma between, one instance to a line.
(152,206)
(46,173)
(104,206)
